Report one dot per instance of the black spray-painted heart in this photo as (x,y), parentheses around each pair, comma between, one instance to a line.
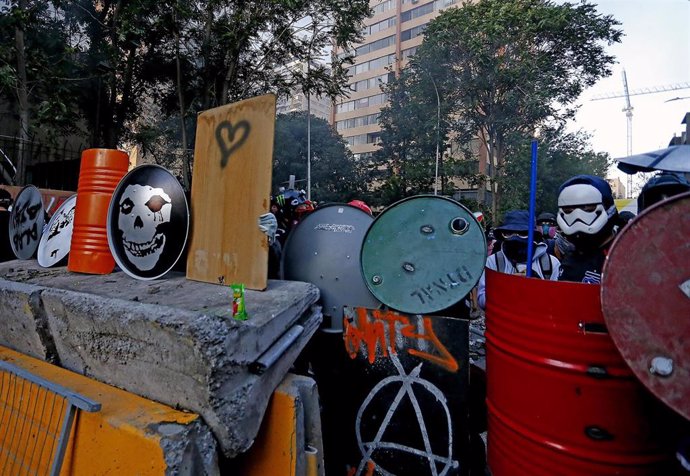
(228,142)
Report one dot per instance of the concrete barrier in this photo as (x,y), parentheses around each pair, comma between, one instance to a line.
(173,340)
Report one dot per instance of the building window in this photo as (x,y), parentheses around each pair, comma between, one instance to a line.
(370,83)
(416,12)
(384,7)
(380,26)
(412,33)
(409,52)
(375,45)
(357,122)
(360,103)
(376,63)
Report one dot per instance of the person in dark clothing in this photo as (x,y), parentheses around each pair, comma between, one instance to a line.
(588,219)
(546,222)
(626,217)
(660,187)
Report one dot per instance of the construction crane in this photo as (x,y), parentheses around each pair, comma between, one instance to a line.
(628,109)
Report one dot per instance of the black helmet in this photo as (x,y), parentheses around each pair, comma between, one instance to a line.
(659,187)
(546,216)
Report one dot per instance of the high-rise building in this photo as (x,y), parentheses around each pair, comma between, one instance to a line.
(298,101)
(391,35)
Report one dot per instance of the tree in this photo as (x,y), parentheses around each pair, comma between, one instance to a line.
(561,155)
(136,65)
(231,50)
(510,67)
(37,75)
(414,127)
(334,174)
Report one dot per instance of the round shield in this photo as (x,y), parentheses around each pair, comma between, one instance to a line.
(324,250)
(148,222)
(26,222)
(645,298)
(423,254)
(55,242)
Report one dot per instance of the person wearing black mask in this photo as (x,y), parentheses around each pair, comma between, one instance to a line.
(588,219)
(512,257)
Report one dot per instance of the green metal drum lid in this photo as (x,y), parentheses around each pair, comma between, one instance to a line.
(423,254)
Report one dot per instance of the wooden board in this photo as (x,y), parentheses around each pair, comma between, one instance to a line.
(231,186)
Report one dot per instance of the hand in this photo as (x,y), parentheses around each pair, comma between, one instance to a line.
(268,226)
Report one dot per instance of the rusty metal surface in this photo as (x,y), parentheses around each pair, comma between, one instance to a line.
(646,299)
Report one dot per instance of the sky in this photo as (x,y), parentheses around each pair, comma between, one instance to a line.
(655,53)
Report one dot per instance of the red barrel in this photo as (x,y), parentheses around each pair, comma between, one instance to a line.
(561,400)
(100,172)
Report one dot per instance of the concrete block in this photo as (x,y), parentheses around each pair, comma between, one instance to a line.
(24,327)
(175,341)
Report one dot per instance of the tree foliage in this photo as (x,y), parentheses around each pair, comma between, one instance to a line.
(510,67)
(130,67)
(560,155)
(334,175)
(415,129)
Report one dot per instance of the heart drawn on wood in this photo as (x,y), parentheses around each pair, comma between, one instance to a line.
(230,138)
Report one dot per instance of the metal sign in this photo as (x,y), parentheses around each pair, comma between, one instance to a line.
(324,249)
(423,254)
(645,296)
(55,242)
(26,222)
(148,222)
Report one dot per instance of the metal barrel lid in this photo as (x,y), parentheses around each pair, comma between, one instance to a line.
(55,242)
(645,299)
(26,222)
(148,222)
(324,250)
(423,254)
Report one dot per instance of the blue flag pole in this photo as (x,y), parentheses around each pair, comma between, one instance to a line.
(532,205)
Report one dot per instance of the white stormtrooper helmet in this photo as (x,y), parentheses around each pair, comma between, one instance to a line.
(143,209)
(585,204)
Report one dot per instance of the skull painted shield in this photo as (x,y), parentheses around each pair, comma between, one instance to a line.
(148,222)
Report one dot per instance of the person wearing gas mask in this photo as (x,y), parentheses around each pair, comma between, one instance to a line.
(588,219)
(512,257)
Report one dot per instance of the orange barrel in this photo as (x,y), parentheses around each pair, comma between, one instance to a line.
(100,172)
(561,400)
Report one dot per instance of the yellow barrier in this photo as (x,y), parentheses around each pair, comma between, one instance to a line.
(119,439)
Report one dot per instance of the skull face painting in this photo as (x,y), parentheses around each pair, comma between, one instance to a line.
(143,209)
(148,222)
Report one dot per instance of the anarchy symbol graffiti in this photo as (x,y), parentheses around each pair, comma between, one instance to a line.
(412,387)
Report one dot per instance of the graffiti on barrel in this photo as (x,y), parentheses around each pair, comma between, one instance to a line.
(386,330)
(410,385)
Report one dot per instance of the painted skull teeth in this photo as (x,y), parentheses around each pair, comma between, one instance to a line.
(140,250)
(144,215)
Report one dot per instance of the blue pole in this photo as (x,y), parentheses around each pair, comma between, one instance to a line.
(532,204)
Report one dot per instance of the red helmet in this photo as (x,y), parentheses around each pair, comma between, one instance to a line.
(361,205)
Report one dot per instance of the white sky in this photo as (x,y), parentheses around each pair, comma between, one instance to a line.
(655,52)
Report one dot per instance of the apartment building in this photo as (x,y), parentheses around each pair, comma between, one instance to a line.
(391,35)
(298,101)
